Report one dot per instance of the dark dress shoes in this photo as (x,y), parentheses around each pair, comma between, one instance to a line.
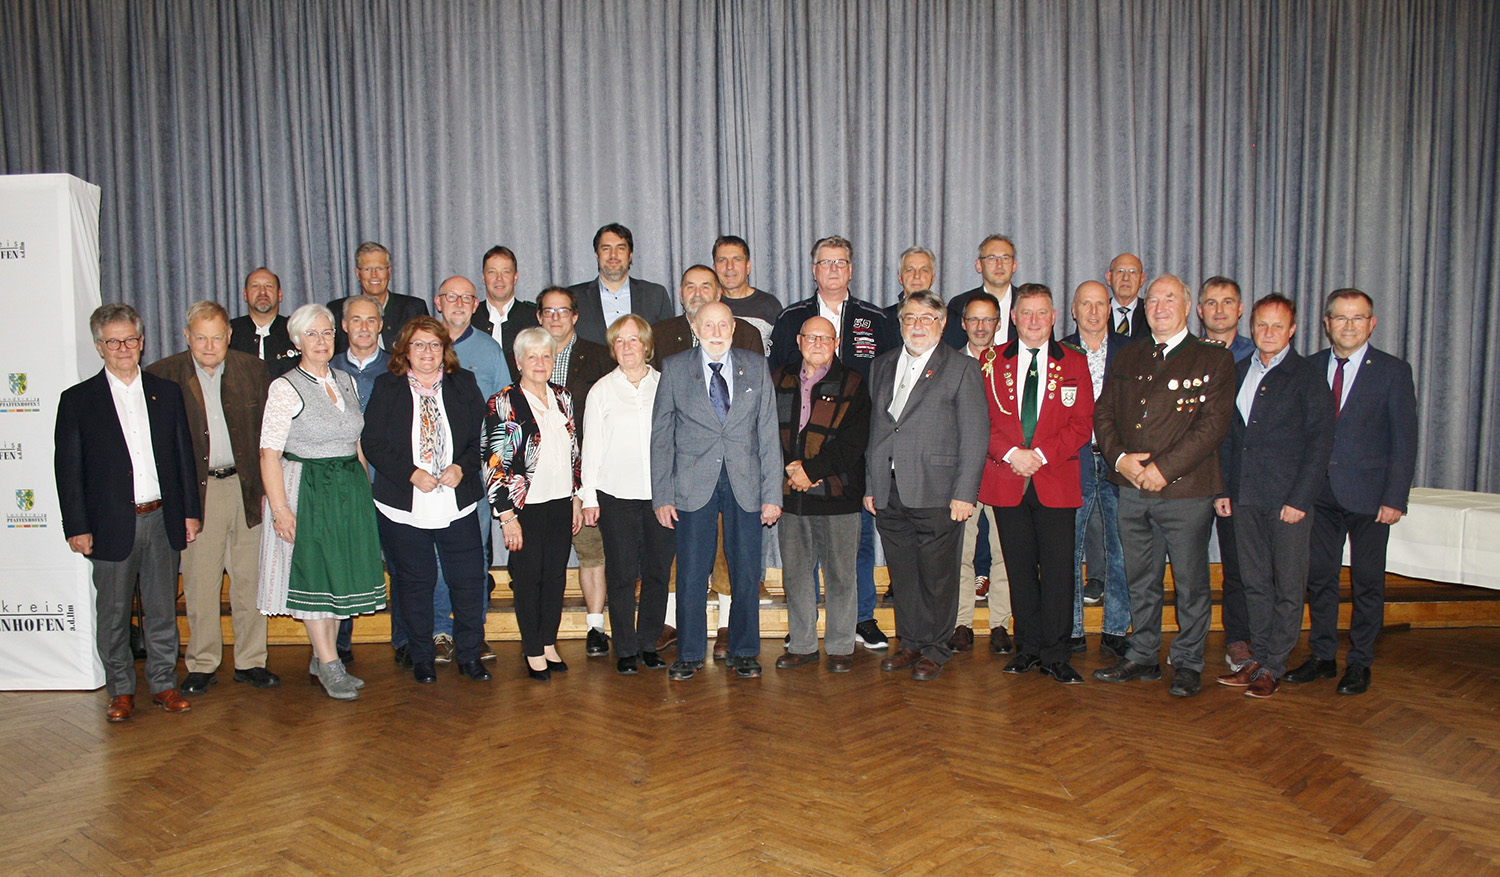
(746,667)
(652,661)
(1113,644)
(840,663)
(346,655)
(197,683)
(1242,677)
(1078,644)
(474,670)
(424,671)
(257,677)
(926,670)
(121,707)
(1263,684)
(902,659)
(627,666)
(597,644)
(542,675)
(684,669)
(1023,663)
(1312,670)
(402,656)
(1356,680)
(1185,683)
(793,659)
(1000,642)
(962,639)
(171,701)
(557,666)
(1063,672)
(1128,670)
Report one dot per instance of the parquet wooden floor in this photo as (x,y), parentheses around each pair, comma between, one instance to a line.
(800,772)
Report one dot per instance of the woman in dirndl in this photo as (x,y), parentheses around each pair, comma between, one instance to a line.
(320,558)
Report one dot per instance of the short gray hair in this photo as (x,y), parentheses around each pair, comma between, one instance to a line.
(302,319)
(913,251)
(114,313)
(924,297)
(205,310)
(530,339)
(364,298)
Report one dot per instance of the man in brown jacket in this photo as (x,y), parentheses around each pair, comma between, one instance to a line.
(1164,411)
(224,392)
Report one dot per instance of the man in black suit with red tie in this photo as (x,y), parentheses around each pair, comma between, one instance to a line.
(127,489)
(1369,478)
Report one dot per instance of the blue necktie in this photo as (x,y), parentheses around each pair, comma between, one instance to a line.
(718,391)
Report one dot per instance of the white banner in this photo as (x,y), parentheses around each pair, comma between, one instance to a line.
(49,285)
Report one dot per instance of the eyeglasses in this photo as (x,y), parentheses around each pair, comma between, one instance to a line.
(372,268)
(818,339)
(130,343)
(999,259)
(425,345)
(982,321)
(318,333)
(831,264)
(1128,272)
(1355,320)
(451,297)
(556,312)
(918,319)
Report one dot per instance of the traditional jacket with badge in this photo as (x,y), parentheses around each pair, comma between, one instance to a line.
(1065,417)
(1177,410)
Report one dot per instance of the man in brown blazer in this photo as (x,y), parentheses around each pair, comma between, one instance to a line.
(224,392)
(700,286)
(1164,411)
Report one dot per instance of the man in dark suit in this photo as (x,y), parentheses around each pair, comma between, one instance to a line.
(614,293)
(578,365)
(224,392)
(1365,491)
(715,457)
(372,266)
(928,431)
(1127,313)
(700,286)
(125,488)
(501,314)
(997,264)
(1163,414)
(1099,512)
(262,332)
(1274,460)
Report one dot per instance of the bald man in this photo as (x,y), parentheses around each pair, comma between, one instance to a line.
(1127,316)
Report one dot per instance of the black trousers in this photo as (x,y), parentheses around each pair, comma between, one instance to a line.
(1332,524)
(539,572)
(1236,614)
(1037,542)
(414,570)
(922,549)
(636,546)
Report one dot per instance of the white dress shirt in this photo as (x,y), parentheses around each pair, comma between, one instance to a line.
(617,438)
(135,422)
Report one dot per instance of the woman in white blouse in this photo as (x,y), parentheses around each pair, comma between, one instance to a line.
(422,435)
(617,495)
(530,453)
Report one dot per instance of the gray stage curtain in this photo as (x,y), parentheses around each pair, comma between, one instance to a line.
(1298,147)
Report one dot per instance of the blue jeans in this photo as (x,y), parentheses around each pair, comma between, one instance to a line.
(864,567)
(697,543)
(1101,493)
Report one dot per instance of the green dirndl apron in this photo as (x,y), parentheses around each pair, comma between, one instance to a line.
(336,564)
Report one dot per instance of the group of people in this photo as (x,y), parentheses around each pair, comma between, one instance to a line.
(378,439)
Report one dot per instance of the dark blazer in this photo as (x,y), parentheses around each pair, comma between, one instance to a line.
(1279,457)
(386,438)
(281,354)
(1178,411)
(522,316)
(242,394)
(831,446)
(953,333)
(1375,435)
(1138,325)
(647,300)
(675,335)
(398,309)
(938,445)
(1064,421)
(586,365)
(95,483)
(864,335)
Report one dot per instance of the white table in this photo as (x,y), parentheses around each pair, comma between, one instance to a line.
(1448,536)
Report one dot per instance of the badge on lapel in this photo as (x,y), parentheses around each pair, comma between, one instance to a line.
(1069,396)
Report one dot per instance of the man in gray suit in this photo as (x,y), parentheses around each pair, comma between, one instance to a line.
(715,452)
(928,431)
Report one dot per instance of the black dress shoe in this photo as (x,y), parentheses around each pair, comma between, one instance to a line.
(1356,680)
(596,645)
(1063,672)
(403,656)
(474,670)
(652,661)
(557,666)
(1114,644)
(684,669)
(543,675)
(423,672)
(1312,670)
(1128,670)
(197,683)
(258,677)
(346,655)
(1023,663)
(1078,644)
(1185,683)
(627,666)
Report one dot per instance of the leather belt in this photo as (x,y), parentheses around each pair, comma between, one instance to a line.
(225,472)
(146,508)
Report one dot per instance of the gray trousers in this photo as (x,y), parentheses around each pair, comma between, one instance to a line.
(1151,528)
(832,543)
(1273,559)
(154,561)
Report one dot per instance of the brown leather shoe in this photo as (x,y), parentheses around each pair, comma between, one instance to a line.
(926,670)
(1237,654)
(721,644)
(668,638)
(792,659)
(121,707)
(840,663)
(1263,685)
(171,701)
(1000,643)
(902,659)
(962,639)
(1241,678)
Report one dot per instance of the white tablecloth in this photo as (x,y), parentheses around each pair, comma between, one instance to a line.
(1448,536)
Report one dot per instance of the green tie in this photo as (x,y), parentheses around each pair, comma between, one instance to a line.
(1028,400)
